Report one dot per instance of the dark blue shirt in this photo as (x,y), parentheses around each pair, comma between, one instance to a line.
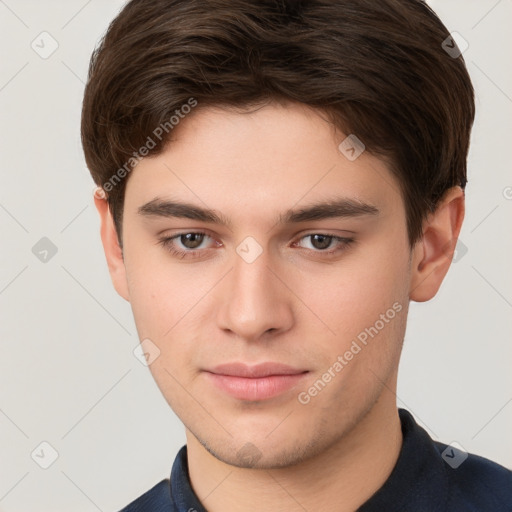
(428,477)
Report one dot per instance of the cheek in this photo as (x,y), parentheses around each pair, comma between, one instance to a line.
(356,293)
(162,300)
(365,303)
(160,293)
(367,311)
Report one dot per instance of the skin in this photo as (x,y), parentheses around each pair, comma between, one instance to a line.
(293,304)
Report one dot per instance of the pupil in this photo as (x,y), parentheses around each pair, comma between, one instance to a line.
(325,241)
(192,240)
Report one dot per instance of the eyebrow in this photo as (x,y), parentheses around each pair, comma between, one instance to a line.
(338,208)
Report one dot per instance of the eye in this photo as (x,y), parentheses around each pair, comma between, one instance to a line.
(191,240)
(319,242)
(186,244)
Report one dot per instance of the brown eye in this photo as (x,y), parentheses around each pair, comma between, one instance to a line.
(191,240)
(188,244)
(320,241)
(325,244)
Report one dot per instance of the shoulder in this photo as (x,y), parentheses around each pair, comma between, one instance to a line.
(157,499)
(476,483)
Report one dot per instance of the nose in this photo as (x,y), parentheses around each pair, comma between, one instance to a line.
(253,300)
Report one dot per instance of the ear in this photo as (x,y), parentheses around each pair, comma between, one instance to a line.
(113,251)
(433,253)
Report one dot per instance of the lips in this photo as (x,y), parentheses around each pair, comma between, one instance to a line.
(259,382)
(256,371)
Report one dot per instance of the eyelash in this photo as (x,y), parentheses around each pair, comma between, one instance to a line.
(167,243)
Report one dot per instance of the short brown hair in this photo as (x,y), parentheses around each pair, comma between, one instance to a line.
(378,69)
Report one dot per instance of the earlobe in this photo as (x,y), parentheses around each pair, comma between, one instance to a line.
(433,253)
(113,251)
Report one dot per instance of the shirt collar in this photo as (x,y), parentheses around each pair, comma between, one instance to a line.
(418,479)
(183,498)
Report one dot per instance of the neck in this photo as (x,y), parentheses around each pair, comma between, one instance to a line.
(341,478)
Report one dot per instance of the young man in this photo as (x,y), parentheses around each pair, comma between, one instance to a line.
(278,180)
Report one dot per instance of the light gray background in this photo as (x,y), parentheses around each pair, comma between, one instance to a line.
(68,375)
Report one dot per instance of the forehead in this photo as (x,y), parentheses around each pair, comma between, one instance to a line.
(248,163)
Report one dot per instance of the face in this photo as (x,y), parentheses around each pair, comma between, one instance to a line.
(257,271)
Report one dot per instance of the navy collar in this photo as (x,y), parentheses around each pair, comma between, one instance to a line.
(183,498)
(418,463)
